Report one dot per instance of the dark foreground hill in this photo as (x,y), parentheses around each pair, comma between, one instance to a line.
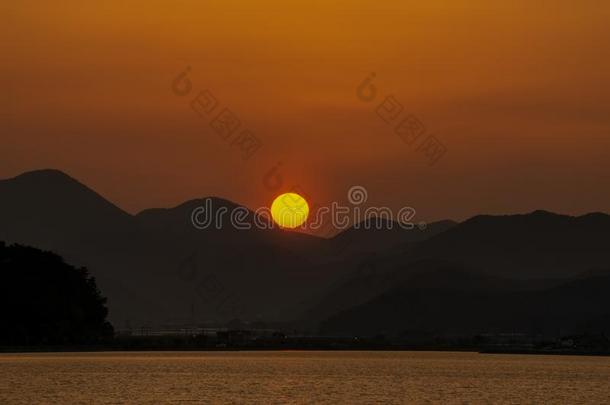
(44,300)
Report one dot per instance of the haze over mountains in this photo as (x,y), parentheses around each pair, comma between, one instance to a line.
(156,268)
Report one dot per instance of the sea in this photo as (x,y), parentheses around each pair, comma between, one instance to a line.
(299,377)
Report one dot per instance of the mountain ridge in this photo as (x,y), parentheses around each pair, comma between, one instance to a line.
(138,259)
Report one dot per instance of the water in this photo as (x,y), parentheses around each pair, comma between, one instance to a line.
(300,377)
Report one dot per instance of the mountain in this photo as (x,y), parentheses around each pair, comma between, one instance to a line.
(52,211)
(233,273)
(49,207)
(536,245)
(378,235)
(461,303)
(533,247)
(156,267)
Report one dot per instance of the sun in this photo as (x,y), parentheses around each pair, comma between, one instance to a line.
(289,210)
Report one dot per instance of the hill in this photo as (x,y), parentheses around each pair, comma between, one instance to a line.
(44,300)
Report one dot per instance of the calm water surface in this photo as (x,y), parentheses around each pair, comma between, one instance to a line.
(302,377)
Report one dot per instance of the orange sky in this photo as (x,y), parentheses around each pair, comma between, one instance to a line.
(518,92)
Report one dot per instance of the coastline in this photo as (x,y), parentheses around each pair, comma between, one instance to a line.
(110,348)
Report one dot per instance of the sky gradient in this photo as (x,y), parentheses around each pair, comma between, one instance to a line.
(518,92)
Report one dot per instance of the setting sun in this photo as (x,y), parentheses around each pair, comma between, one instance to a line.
(289,210)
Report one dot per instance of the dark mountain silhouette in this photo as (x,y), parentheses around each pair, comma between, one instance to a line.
(467,304)
(177,222)
(376,275)
(536,245)
(363,254)
(47,206)
(376,235)
(52,211)
(540,245)
(43,300)
(233,273)
(157,268)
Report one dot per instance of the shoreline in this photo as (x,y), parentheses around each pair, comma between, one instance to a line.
(384,348)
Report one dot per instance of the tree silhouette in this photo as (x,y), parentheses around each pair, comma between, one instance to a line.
(44,300)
